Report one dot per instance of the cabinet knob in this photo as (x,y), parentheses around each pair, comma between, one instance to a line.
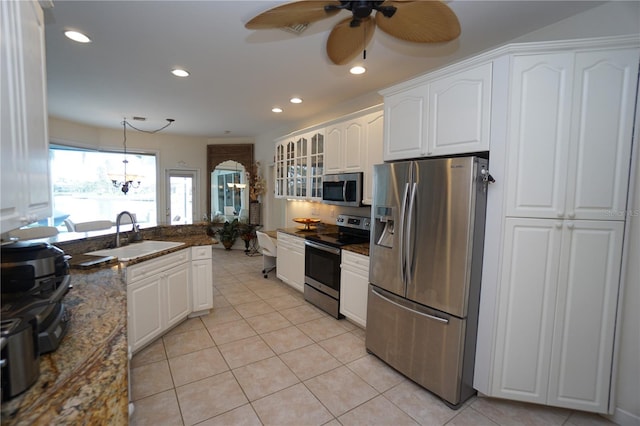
(572,215)
(570,225)
(560,213)
(558,225)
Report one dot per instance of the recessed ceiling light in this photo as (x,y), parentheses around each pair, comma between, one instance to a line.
(77,36)
(358,70)
(178,72)
(277,110)
(295,100)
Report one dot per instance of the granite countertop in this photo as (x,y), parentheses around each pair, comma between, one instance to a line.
(85,380)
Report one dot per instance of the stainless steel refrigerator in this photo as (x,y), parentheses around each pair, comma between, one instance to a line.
(425,269)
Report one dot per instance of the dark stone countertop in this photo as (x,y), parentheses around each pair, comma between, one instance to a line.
(362,248)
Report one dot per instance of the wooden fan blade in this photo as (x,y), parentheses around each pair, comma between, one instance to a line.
(299,12)
(420,21)
(346,42)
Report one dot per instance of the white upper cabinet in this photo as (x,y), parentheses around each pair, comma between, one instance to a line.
(601,132)
(25,195)
(570,134)
(460,112)
(349,145)
(345,146)
(374,131)
(299,166)
(444,116)
(405,116)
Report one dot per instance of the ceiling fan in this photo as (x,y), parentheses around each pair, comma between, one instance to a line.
(416,21)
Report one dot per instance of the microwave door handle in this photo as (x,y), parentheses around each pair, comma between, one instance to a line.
(344,190)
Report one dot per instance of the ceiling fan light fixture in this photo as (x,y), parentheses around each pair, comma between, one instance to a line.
(77,36)
(357,70)
(179,72)
(295,100)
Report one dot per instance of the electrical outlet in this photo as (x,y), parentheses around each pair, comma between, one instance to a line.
(333,212)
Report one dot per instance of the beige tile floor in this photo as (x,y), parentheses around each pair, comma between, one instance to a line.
(265,356)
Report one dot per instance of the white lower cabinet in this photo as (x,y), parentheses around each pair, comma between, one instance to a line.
(158,296)
(354,283)
(201,280)
(557,311)
(290,260)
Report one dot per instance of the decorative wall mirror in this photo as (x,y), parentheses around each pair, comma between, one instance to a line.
(229,191)
(227,163)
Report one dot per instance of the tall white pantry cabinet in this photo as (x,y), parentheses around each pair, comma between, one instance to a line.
(567,156)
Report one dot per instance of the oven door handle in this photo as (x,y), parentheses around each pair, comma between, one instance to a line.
(322,247)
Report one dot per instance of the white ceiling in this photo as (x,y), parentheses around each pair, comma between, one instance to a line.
(238,75)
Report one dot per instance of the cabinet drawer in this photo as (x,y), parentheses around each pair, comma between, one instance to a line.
(291,242)
(355,261)
(150,267)
(201,252)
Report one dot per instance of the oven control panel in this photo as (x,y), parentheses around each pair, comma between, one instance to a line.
(358,222)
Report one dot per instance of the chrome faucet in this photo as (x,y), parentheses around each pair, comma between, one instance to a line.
(134,228)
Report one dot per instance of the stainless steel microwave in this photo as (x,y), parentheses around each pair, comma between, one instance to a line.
(343,189)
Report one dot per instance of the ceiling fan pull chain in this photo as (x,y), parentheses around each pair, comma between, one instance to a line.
(364,44)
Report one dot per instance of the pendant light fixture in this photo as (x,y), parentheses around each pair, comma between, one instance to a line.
(128,180)
(236,185)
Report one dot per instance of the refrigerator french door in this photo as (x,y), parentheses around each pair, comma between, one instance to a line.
(425,268)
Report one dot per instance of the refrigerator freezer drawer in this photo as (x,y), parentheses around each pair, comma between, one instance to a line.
(425,345)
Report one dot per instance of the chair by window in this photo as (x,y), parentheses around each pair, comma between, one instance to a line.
(269,250)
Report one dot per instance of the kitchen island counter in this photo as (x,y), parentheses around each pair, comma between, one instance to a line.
(85,380)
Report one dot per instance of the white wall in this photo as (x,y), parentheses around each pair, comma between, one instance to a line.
(613,18)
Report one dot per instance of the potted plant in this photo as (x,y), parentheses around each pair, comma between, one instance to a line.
(228,232)
(247,233)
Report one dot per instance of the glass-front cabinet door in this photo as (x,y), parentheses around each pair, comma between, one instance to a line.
(299,163)
(316,165)
(280,167)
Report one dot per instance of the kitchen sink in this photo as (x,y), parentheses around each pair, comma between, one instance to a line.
(136,250)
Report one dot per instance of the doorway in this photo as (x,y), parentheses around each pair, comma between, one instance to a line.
(181,186)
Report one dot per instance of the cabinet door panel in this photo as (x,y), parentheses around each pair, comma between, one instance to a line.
(405,116)
(538,135)
(354,287)
(333,149)
(459,111)
(11,129)
(202,280)
(582,353)
(353,146)
(374,135)
(35,136)
(145,303)
(178,294)
(604,95)
(526,309)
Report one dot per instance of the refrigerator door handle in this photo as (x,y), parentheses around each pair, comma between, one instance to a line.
(409,238)
(433,317)
(403,234)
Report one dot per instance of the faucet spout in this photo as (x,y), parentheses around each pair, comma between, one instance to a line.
(134,225)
